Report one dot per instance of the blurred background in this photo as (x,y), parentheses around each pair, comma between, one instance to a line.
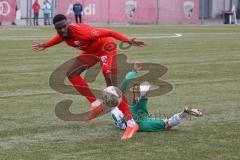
(127,11)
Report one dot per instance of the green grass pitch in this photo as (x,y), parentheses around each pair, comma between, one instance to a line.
(203,67)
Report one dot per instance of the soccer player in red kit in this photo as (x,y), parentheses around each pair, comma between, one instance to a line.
(96,45)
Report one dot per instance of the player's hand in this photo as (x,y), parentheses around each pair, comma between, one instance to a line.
(137,43)
(137,66)
(37,47)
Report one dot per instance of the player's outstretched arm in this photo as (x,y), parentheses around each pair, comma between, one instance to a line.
(130,76)
(100,32)
(136,42)
(38,47)
(132,41)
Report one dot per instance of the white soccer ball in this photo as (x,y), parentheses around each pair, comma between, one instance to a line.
(112,96)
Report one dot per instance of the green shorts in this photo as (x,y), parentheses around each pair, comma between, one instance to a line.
(151,125)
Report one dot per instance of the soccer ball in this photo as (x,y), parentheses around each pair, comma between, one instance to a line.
(112,96)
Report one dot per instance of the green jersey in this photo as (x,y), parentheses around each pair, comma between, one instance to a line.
(139,112)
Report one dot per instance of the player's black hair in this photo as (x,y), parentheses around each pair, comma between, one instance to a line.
(135,98)
(58,18)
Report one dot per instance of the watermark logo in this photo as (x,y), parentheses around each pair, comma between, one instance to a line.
(5,8)
(130,8)
(188,7)
(152,73)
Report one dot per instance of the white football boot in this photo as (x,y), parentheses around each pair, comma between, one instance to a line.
(193,112)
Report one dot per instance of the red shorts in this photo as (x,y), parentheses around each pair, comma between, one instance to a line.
(106,56)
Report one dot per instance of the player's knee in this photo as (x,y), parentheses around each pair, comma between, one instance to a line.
(71,74)
(109,82)
(167,126)
(111,79)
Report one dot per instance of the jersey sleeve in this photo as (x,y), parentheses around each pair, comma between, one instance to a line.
(55,40)
(100,32)
(128,79)
(143,104)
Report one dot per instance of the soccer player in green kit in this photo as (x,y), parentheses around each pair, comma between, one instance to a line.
(139,108)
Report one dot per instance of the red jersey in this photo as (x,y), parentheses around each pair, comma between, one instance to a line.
(86,38)
(36,7)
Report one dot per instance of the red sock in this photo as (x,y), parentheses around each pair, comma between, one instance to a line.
(82,87)
(124,107)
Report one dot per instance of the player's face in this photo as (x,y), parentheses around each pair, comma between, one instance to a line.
(62,28)
(136,89)
(136,92)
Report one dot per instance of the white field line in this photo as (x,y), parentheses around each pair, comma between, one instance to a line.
(217,33)
(25,36)
(7,95)
(156,36)
(140,36)
(18,38)
(20,29)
